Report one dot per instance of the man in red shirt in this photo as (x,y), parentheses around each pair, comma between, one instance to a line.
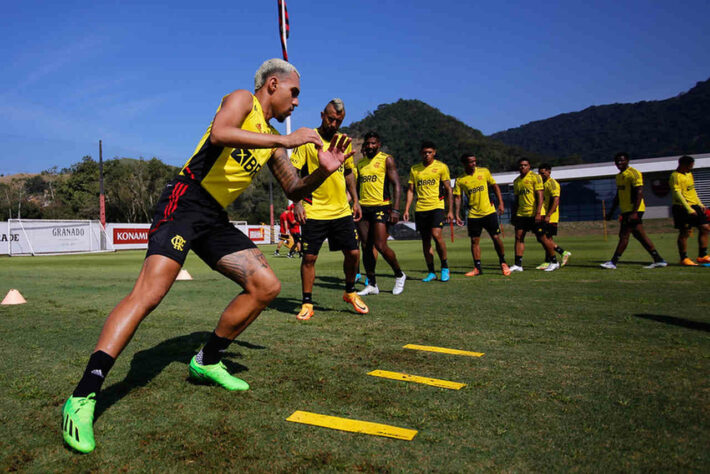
(284,237)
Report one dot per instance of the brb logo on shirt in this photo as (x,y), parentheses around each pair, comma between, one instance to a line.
(426,182)
(369,178)
(247,160)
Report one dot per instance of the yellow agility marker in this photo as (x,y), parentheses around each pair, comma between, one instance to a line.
(443,350)
(354,426)
(417,379)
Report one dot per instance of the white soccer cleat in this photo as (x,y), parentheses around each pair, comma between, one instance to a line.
(399,284)
(608,265)
(552,267)
(660,264)
(369,290)
(516,268)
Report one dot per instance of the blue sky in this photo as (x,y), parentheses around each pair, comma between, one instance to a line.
(146,77)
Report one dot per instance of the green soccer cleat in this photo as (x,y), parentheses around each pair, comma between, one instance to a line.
(78,423)
(543,266)
(565,257)
(216,374)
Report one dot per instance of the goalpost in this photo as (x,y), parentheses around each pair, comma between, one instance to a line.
(57,237)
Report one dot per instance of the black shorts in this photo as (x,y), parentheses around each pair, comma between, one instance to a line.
(683,221)
(550,229)
(341,234)
(529,224)
(296,237)
(627,222)
(477,224)
(428,220)
(284,237)
(187,217)
(376,214)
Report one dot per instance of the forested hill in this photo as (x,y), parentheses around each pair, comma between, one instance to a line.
(404,124)
(645,129)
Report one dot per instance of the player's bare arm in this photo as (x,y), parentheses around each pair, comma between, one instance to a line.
(499,197)
(457,205)
(553,207)
(408,203)
(295,187)
(393,177)
(235,108)
(449,200)
(538,206)
(639,198)
(351,186)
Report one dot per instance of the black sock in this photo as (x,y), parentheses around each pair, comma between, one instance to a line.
(553,259)
(308,298)
(519,260)
(615,258)
(656,256)
(371,280)
(213,350)
(702,252)
(96,371)
(349,287)
(430,267)
(683,255)
(477,264)
(445,263)
(501,259)
(398,273)
(559,250)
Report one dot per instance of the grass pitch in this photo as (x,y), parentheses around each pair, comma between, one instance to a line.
(584,369)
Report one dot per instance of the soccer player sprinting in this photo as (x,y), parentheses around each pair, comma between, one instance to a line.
(528,213)
(551,206)
(474,184)
(326,214)
(430,180)
(376,174)
(190,215)
(629,199)
(688,212)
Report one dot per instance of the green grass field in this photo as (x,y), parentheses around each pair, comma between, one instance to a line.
(584,369)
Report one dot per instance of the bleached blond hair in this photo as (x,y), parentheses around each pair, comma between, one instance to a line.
(273,67)
(337,104)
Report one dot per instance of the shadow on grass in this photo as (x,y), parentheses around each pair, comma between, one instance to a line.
(682,322)
(292,306)
(147,364)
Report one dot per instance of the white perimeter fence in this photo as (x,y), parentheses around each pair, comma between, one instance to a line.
(53,237)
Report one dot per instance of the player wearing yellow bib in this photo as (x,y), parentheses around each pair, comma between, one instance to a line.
(551,207)
(326,214)
(474,184)
(629,198)
(528,215)
(379,192)
(191,215)
(688,212)
(431,181)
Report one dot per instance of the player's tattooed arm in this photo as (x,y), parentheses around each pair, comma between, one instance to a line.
(295,187)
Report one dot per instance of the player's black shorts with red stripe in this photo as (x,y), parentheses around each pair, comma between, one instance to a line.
(341,234)
(529,224)
(376,214)
(489,222)
(628,223)
(683,220)
(187,217)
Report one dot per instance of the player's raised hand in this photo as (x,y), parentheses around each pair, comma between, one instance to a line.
(302,136)
(332,158)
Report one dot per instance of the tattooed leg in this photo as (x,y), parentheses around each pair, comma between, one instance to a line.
(249,269)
